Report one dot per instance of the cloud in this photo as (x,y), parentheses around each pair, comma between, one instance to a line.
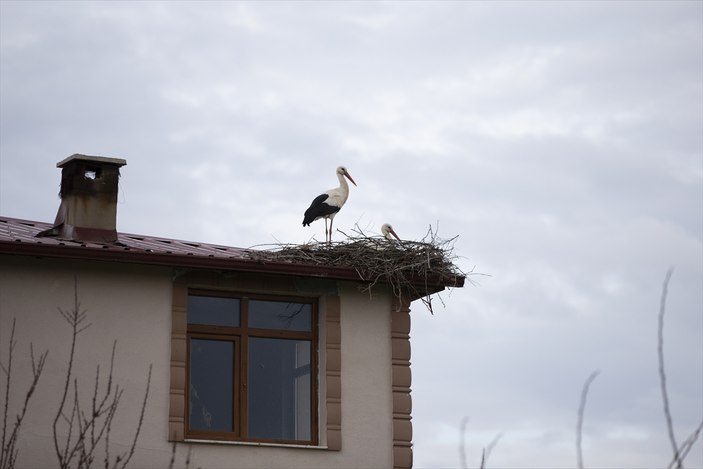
(560,141)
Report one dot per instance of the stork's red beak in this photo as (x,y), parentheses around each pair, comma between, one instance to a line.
(394,235)
(349,177)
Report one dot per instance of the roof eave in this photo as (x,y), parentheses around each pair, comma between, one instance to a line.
(430,284)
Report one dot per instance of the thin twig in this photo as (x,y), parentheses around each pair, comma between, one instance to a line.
(462,442)
(172,461)
(687,445)
(662,374)
(485,452)
(188,455)
(8,450)
(141,421)
(489,449)
(6,405)
(74,317)
(579,421)
(37,368)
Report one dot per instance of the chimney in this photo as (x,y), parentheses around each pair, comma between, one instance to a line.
(88,210)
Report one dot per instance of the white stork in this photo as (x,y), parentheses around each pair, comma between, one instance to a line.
(387,231)
(327,204)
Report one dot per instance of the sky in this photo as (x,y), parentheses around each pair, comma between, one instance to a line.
(561,142)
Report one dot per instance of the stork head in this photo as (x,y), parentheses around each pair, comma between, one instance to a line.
(387,231)
(342,171)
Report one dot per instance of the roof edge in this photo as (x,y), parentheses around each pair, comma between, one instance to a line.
(129,256)
(19,237)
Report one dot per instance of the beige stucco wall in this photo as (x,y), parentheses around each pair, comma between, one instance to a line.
(132,304)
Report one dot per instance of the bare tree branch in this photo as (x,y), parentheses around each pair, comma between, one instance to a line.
(139,425)
(687,445)
(8,450)
(579,420)
(75,318)
(662,373)
(462,442)
(172,462)
(86,428)
(6,403)
(489,449)
(485,452)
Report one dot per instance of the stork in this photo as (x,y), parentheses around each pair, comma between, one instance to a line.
(327,204)
(387,231)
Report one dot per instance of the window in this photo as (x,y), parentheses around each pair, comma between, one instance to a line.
(252,368)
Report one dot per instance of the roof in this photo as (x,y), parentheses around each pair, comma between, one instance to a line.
(18,237)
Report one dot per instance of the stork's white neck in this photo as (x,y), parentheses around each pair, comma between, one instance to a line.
(342,190)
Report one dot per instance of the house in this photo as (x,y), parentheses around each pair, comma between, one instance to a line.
(239,360)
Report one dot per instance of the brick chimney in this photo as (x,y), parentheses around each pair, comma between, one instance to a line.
(88,210)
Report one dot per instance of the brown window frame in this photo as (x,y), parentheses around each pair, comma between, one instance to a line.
(239,336)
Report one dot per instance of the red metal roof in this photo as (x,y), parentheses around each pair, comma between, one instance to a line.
(19,237)
(25,231)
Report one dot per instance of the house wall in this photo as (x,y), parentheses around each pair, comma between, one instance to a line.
(132,304)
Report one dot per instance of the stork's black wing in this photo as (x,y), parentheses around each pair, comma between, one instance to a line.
(318,208)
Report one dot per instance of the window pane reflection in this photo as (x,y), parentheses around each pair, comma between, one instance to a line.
(279,389)
(213,310)
(280,315)
(211,385)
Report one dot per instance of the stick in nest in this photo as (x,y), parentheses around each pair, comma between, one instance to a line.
(407,266)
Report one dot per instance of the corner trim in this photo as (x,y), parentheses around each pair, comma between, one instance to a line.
(401,382)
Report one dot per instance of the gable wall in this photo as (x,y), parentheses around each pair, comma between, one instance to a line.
(133,305)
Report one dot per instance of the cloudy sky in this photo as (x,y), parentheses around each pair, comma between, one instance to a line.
(561,141)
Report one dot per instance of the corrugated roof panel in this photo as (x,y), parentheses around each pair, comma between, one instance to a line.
(25,231)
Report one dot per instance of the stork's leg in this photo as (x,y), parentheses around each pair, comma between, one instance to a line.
(331,221)
(326,232)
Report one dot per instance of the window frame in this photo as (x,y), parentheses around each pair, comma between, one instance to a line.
(240,336)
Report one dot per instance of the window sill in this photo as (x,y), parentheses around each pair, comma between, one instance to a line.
(254,443)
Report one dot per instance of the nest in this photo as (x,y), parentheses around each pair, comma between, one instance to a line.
(410,268)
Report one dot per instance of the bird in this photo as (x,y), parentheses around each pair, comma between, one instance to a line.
(327,204)
(387,231)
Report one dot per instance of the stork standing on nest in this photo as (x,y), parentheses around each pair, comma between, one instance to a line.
(387,231)
(327,204)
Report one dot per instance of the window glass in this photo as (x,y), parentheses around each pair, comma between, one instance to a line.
(280,315)
(276,351)
(279,389)
(213,310)
(211,385)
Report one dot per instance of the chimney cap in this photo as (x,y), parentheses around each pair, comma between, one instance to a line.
(91,159)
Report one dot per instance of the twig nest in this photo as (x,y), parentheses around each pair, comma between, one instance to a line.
(407,266)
